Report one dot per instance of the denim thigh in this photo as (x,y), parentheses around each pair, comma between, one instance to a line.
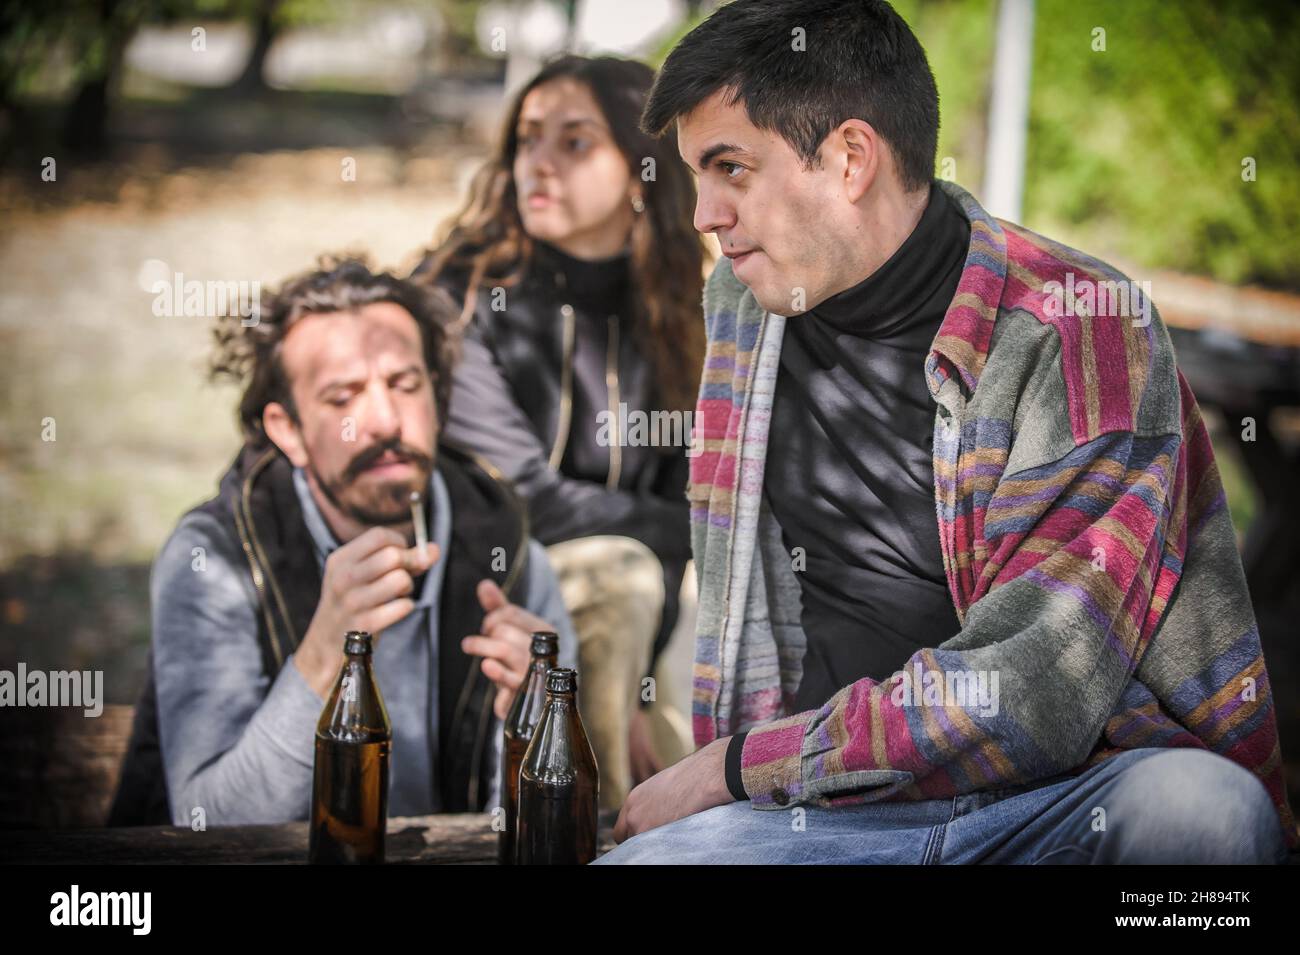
(899,833)
(1143,805)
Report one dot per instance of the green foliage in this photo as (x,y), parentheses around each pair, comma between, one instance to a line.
(1140,147)
(1136,151)
(958,36)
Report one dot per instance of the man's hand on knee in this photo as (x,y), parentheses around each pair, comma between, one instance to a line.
(692,785)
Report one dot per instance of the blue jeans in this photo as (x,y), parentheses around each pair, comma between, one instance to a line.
(1166,806)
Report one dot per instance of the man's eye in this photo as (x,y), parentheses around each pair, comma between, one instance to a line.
(726,168)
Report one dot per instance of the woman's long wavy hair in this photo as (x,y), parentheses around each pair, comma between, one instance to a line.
(487,240)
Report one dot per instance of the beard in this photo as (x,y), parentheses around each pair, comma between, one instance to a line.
(381,503)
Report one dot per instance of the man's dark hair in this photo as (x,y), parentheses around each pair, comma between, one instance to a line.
(861,61)
(251,353)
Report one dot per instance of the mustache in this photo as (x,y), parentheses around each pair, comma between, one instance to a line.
(376,451)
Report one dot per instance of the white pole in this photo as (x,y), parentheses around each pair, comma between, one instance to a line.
(1004,159)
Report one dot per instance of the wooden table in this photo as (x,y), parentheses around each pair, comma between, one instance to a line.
(462,838)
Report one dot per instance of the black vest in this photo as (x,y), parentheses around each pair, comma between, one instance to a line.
(259,508)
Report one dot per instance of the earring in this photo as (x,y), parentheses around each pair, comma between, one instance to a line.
(638,204)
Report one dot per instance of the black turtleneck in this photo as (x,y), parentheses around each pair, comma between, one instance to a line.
(594,283)
(850,475)
(598,289)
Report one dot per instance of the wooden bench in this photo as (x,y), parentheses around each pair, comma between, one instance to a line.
(60,766)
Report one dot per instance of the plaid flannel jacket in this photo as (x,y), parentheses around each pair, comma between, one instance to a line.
(1085,535)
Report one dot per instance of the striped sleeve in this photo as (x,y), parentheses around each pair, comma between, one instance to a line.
(1077,558)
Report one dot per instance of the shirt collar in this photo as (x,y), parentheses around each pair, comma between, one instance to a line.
(962,344)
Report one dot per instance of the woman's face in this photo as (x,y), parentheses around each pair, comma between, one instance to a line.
(573,185)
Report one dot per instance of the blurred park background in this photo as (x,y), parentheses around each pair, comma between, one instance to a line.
(141,138)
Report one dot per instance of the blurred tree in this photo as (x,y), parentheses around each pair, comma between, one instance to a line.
(459,39)
(265,26)
(24,46)
(91,36)
(269,19)
(100,31)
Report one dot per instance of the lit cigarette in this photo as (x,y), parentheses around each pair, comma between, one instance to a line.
(417,517)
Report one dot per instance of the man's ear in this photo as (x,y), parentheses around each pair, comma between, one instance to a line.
(862,158)
(279,427)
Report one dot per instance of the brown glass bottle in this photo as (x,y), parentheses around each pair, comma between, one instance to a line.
(525,712)
(349,793)
(558,783)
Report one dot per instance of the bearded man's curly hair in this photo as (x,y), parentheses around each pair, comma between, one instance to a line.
(247,349)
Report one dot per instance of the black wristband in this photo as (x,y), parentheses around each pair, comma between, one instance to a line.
(735,782)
